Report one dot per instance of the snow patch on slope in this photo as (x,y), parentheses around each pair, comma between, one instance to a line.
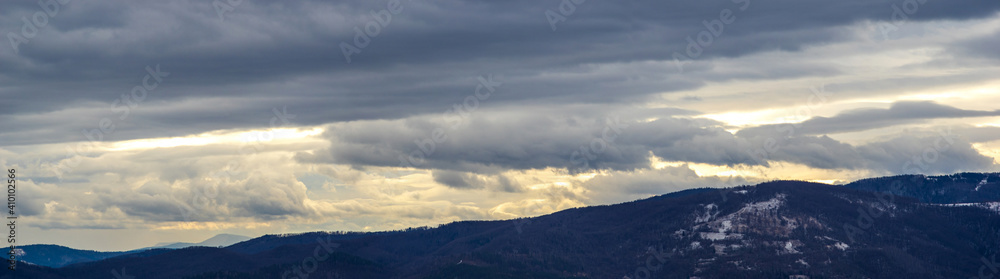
(790,248)
(711,210)
(842,246)
(981,183)
(991,206)
(772,204)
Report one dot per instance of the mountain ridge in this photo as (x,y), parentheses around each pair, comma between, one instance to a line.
(777,228)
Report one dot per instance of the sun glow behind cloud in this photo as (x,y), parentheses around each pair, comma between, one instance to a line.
(225,137)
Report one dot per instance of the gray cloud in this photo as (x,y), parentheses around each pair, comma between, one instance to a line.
(906,112)
(937,154)
(487,142)
(462,180)
(981,47)
(979,134)
(626,186)
(454,179)
(493,141)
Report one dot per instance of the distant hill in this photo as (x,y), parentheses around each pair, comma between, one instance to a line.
(945,189)
(780,229)
(58,256)
(220,240)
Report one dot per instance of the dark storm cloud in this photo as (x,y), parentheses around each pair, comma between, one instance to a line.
(486,144)
(906,112)
(453,179)
(938,154)
(535,138)
(268,54)
(261,198)
(463,180)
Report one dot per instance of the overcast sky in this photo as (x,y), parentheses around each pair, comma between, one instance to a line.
(136,122)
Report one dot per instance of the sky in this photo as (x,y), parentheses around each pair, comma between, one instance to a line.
(131,123)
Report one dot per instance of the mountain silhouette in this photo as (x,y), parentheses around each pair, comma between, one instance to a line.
(778,229)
